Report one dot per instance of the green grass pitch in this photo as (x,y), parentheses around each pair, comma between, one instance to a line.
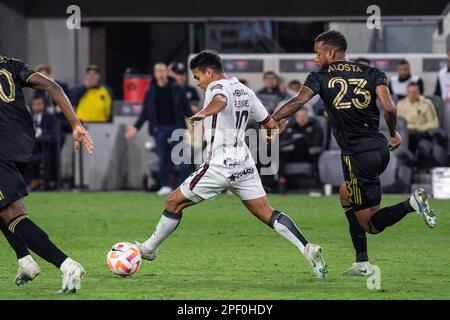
(220,251)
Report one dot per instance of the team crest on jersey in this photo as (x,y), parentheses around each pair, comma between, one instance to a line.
(240,92)
(216,86)
(240,174)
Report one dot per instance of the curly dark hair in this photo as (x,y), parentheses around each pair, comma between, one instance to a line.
(207,59)
(333,38)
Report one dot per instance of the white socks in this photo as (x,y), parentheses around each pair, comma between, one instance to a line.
(166,225)
(286,233)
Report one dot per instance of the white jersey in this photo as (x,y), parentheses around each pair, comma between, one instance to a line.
(229,164)
(225,131)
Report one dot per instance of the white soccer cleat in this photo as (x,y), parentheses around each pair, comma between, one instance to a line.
(28,270)
(73,273)
(419,201)
(164,191)
(313,254)
(360,269)
(146,254)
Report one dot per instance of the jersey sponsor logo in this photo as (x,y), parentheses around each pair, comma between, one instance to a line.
(240,92)
(230,163)
(344,67)
(242,173)
(216,86)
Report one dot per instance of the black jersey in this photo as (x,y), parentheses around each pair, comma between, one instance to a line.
(348,91)
(17,133)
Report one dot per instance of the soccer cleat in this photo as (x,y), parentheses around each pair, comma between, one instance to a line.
(146,254)
(419,201)
(73,273)
(313,254)
(360,269)
(28,271)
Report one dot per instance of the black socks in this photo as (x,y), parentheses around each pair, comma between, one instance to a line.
(14,241)
(389,216)
(37,240)
(357,234)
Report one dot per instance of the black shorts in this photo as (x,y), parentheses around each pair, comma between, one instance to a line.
(12,185)
(362,176)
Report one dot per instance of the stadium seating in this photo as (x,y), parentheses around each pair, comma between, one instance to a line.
(307,168)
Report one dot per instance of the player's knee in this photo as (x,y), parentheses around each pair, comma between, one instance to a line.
(343,196)
(12,211)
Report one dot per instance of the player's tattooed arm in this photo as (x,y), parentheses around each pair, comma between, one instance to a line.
(217,104)
(56,93)
(390,115)
(293,105)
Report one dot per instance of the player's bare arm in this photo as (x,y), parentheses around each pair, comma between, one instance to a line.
(79,133)
(390,115)
(293,105)
(217,104)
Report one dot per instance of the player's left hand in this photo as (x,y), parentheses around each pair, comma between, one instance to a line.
(81,135)
(396,141)
(199,116)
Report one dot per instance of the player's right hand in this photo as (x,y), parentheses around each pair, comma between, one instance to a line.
(131,132)
(396,141)
(81,135)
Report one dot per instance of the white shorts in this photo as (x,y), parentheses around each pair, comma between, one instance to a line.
(209,181)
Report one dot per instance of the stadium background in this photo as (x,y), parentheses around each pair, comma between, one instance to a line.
(254,37)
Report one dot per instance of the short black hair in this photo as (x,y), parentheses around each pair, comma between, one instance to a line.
(93,67)
(413,84)
(333,38)
(403,61)
(295,81)
(207,59)
(270,73)
(34,98)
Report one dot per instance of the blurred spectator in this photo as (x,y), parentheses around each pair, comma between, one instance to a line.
(423,124)
(62,126)
(178,72)
(300,142)
(42,166)
(363,60)
(270,94)
(93,100)
(295,85)
(166,109)
(442,88)
(399,82)
(46,71)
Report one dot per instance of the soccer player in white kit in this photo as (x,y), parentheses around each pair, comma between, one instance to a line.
(229,164)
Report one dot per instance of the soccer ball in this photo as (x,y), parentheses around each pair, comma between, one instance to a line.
(124,259)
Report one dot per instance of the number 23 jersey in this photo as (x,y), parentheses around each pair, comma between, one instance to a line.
(348,91)
(224,132)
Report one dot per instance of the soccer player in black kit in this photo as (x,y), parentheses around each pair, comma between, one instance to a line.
(349,91)
(17,137)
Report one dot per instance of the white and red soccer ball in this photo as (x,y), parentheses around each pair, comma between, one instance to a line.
(124,259)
